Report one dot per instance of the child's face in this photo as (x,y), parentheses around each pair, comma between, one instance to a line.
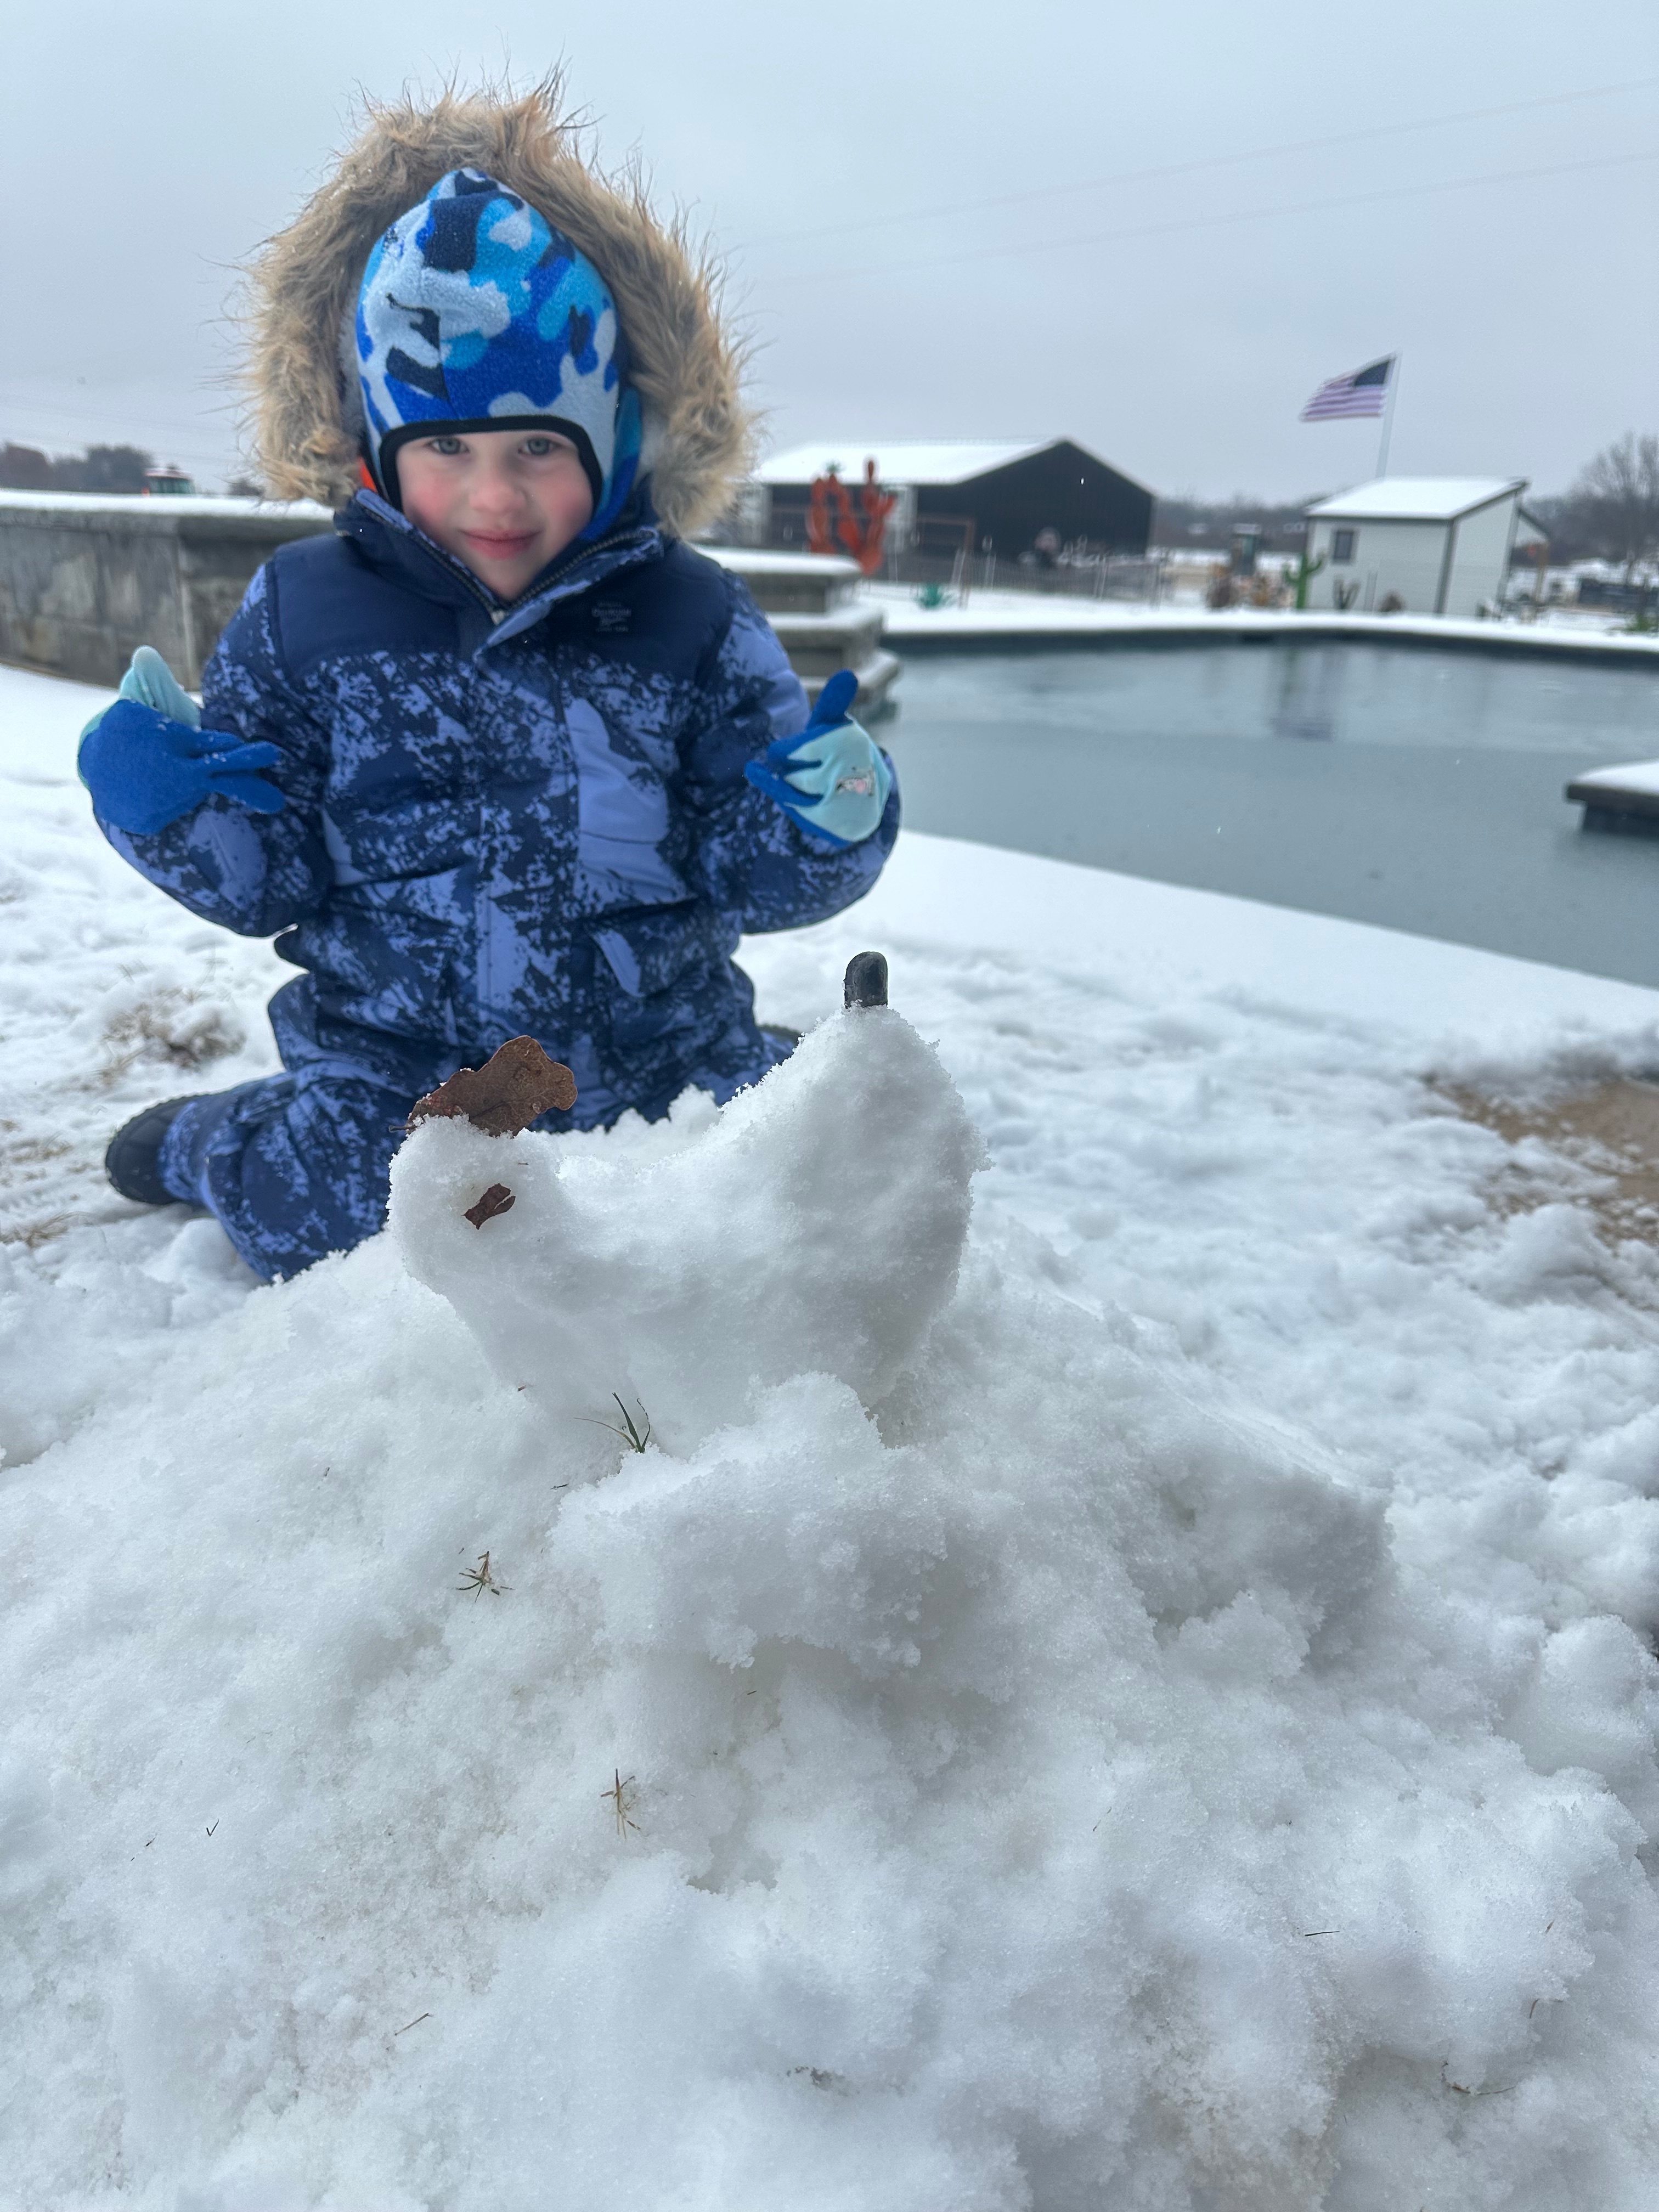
(505,501)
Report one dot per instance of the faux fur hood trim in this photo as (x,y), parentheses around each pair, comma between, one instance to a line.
(305,281)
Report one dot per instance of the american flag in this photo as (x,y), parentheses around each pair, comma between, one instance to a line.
(1365,392)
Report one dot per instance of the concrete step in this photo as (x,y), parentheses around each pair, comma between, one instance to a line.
(876,677)
(817,645)
(809,599)
(790,583)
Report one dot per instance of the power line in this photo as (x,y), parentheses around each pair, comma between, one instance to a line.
(132,418)
(1026,246)
(137,420)
(1209,161)
(21,399)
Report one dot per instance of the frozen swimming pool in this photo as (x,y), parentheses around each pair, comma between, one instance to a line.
(1420,789)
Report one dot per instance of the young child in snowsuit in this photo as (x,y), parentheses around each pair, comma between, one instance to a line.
(502,755)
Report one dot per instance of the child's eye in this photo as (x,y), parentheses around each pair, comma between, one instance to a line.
(536,448)
(447,445)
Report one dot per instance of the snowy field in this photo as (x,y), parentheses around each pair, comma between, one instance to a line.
(1123,1676)
(1007,614)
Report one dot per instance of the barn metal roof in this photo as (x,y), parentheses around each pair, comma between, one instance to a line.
(1417,499)
(920,461)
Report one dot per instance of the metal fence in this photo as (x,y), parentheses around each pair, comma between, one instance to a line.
(938,555)
(1100,576)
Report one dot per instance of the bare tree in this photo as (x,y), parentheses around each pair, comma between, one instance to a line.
(1617,496)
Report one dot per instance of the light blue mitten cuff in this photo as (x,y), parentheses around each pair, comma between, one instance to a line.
(848,783)
(149,682)
(153,683)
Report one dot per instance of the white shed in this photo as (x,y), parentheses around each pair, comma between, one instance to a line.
(1433,545)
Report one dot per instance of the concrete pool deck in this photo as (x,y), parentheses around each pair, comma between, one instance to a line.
(1005,621)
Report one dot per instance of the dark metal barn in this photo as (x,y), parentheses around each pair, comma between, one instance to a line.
(972,496)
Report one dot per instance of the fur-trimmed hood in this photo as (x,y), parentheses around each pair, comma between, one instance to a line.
(305,282)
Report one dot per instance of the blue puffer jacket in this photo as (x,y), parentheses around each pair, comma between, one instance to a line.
(529,820)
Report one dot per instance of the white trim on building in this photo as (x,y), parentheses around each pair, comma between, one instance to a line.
(920,461)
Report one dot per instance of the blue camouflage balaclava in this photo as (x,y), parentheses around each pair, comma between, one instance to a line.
(475,314)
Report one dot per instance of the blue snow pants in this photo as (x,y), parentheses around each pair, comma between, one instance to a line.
(295,1166)
(298,1165)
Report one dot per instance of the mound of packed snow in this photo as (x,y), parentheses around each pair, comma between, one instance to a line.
(663,1273)
(965,1759)
(1124,1799)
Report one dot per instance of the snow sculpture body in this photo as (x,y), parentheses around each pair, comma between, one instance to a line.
(815,1226)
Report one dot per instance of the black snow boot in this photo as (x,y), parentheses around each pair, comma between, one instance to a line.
(134,1158)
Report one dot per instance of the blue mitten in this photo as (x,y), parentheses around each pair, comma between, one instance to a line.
(831,777)
(147,759)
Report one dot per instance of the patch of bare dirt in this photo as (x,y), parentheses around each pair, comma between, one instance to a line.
(1609,1134)
(173,1029)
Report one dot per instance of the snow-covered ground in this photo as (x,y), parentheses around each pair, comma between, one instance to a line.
(1002,614)
(1150,1704)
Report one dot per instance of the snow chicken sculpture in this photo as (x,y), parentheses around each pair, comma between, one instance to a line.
(814,1225)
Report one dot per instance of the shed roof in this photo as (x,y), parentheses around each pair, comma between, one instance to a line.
(1418,499)
(920,461)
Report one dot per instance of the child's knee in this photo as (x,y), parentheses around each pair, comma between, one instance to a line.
(294,1167)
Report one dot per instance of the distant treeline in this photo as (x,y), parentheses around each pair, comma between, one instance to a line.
(100,469)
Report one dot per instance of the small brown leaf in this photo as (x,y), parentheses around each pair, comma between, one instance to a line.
(507,1094)
(498,1199)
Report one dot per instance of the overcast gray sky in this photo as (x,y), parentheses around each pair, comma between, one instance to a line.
(1154,228)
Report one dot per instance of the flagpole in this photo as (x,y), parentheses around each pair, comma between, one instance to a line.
(1387,416)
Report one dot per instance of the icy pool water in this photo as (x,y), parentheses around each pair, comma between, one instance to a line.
(1415,788)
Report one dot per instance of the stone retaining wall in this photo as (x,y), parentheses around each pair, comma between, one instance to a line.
(83,581)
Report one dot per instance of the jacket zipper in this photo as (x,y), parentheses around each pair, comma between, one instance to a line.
(486,599)
(484,910)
